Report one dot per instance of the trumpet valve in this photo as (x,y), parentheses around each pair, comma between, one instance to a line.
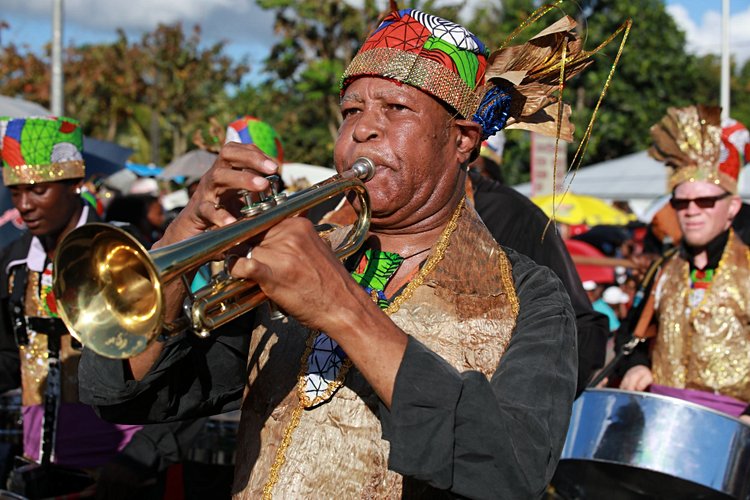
(268,199)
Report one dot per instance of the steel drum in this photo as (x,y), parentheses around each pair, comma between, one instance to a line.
(635,445)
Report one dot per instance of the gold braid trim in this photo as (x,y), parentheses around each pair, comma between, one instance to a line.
(437,255)
(507,277)
(32,174)
(305,402)
(273,476)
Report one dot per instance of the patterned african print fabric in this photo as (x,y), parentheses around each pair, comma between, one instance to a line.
(250,130)
(42,150)
(700,281)
(373,273)
(432,37)
(433,54)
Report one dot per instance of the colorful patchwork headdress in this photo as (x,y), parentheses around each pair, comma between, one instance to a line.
(510,88)
(3,125)
(250,130)
(693,144)
(42,149)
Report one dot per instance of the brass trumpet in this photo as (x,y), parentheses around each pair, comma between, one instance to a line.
(110,289)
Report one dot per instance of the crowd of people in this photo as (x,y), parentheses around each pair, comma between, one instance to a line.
(441,359)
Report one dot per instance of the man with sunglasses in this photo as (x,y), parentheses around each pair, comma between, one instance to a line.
(696,316)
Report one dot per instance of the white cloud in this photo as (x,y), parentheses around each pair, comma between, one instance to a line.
(236,21)
(704,37)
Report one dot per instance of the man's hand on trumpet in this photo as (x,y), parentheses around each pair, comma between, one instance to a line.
(298,271)
(216,202)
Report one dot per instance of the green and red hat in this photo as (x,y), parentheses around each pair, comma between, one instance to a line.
(42,149)
(435,55)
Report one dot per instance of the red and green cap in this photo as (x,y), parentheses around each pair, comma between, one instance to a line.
(435,55)
(42,149)
(250,130)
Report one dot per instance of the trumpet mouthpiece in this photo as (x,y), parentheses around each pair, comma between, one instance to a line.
(364,168)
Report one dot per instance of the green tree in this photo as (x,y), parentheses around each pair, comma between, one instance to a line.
(103,87)
(740,89)
(24,74)
(185,81)
(654,72)
(318,39)
(150,95)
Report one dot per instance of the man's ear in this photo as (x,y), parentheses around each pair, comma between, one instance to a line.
(735,203)
(468,139)
(76,186)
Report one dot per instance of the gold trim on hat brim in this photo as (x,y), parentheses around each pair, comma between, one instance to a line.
(424,74)
(32,174)
(696,173)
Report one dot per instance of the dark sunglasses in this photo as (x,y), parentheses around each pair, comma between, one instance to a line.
(702,202)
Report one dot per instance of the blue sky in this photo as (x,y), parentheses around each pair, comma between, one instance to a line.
(249,30)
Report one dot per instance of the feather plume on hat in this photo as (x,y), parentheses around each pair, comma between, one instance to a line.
(530,74)
(688,140)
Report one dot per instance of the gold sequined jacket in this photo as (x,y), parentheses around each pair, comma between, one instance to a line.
(707,346)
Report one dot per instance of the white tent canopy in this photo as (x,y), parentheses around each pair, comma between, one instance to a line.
(17,108)
(636,178)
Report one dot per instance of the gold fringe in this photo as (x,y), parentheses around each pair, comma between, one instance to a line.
(575,164)
(534,17)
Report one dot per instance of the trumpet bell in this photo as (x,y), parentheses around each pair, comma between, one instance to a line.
(110,288)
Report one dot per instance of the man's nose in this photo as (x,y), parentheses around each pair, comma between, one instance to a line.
(368,126)
(693,208)
(23,202)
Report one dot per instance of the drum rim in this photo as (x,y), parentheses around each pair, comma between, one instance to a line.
(666,398)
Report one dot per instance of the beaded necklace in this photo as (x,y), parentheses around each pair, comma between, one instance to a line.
(701,278)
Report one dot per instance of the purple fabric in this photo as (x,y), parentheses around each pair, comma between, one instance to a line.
(83,439)
(724,404)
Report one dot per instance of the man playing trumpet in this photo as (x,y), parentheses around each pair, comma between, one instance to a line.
(432,361)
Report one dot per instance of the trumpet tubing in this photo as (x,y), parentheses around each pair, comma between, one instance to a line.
(110,289)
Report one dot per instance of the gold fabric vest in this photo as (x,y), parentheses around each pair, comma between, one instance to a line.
(705,347)
(465,311)
(34,355)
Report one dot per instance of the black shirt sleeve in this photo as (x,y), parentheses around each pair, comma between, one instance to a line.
(497,438)
(515,222)
(10,366)
(193,377)
(157,446)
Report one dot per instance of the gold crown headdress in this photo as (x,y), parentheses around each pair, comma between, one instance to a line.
(689,141)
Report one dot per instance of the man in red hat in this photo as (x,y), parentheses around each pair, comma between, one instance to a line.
(432,362)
